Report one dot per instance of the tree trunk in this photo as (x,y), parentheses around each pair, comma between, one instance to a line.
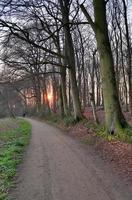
(37,89)
(61,107)
(63,86)
(65,4)
(63,78)
(114,118)
(94,108)
(129,55)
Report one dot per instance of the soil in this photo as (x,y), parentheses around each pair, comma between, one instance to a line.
(116,153)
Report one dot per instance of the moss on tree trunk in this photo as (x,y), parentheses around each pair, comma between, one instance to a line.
(114,119)
(113,113)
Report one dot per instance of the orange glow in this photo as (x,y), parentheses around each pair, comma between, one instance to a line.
(50,97)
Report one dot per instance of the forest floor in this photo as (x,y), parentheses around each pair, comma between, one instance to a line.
(114,151)
(117,153)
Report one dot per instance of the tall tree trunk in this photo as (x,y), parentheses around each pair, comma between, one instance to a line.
(63,79)
(129,55)
(114,118)
(61,107)
(55,92)
(123,67)
(45,96)
(83,70)
(37,89)
(65,6)
(63,86)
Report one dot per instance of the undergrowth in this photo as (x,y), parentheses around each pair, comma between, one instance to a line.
(125,135)
(99,129)
(58,120)
(13,143)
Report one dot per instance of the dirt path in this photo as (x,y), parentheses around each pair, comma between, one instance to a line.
(56,167)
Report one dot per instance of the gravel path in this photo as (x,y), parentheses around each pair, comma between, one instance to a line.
(57,167)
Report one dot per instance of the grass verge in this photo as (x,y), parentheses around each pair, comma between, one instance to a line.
(13,143)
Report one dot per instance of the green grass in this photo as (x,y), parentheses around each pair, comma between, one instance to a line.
(125,135)
(69,120)
(13,143)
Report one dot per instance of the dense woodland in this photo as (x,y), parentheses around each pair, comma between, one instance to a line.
(64,56)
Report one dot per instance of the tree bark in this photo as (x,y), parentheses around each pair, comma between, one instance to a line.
(65,6)
(114,118)
(129,55)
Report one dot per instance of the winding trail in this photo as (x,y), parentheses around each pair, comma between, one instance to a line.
(57,167)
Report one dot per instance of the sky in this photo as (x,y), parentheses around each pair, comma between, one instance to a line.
(129,18)
(130,10)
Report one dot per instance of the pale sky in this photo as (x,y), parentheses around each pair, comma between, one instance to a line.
(129,17)
(130,10)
